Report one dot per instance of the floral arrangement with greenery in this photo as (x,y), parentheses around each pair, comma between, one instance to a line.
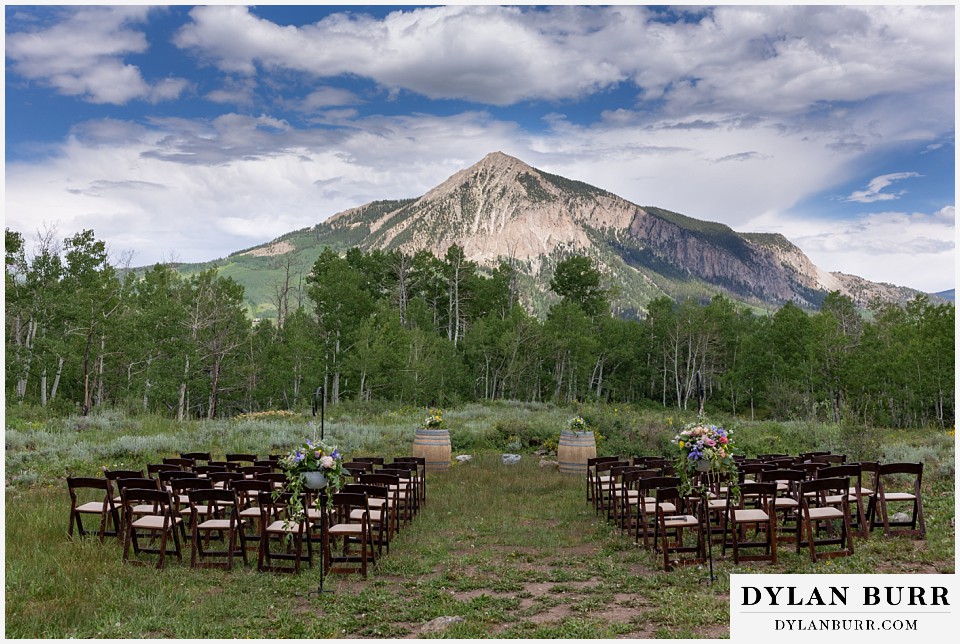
(434,420)
(577,424)
(703,447)
(311,456)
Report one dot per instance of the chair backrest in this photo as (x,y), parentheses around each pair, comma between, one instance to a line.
(139,483)
(355,467)
(196,456)
(850,472)
(251,471)
(344,503)
(114,475)
(376,460)
(208,501)
(899,475)
(815,491)
(75,483)
(810,468)
(830,459)
(134,495)
(270,465)
(667,495)
(243,458)
(371,490)
(225,479)
(155,468)
(761,494)
(276,479)
(182,463)
(806,456)
(247,490)
(790,477)
(206,469)
(168,475)
(185,485)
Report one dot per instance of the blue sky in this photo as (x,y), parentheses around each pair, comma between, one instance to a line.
(186,133)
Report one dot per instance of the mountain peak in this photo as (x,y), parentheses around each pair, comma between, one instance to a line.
(500,208)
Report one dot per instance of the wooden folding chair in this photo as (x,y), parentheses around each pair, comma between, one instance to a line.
(899,483)
(824,501)
(677,525)
(101,505)
(738,518)
(215,511)
(162,521)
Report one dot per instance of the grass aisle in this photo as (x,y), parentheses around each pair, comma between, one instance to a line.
(518,552)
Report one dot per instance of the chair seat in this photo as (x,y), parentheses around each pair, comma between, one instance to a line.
(785,502)
(899,496)
(283,527)
(346,529)
(250,512)
(835,498)
(864,491)
(216,524)
(681,521)
(748,516)
(826,513)
(153,522)
(666,507)
(92,507)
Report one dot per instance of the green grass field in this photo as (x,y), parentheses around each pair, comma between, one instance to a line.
(516,551)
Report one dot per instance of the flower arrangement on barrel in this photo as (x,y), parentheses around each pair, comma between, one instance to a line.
(434,420)
(307,459)
(577,424)
(703,449)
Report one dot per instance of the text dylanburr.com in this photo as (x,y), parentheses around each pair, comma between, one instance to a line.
(858,608)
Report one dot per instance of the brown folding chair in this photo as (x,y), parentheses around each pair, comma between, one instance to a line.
(100,494)
(162,519)
(824,501)
(247,492)
(786,503)
(677,525)
(899,483)
(279,528)
(215,511)
(855,498)
(348,523)
(738,518)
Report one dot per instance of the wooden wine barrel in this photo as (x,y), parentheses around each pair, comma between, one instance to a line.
(433,445)
(574,450)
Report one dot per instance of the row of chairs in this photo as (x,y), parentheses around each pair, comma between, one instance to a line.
(242,509)
(814,500)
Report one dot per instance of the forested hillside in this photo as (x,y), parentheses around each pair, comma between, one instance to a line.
(419,329)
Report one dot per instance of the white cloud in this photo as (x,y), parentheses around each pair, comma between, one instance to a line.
(768,59)
(874,191)
(908,249)
(83,56)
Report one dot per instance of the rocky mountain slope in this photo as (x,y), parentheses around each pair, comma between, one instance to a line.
(502,209)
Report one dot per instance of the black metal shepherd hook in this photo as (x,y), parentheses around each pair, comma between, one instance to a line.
(701,395)
(318,400)
(319,394)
